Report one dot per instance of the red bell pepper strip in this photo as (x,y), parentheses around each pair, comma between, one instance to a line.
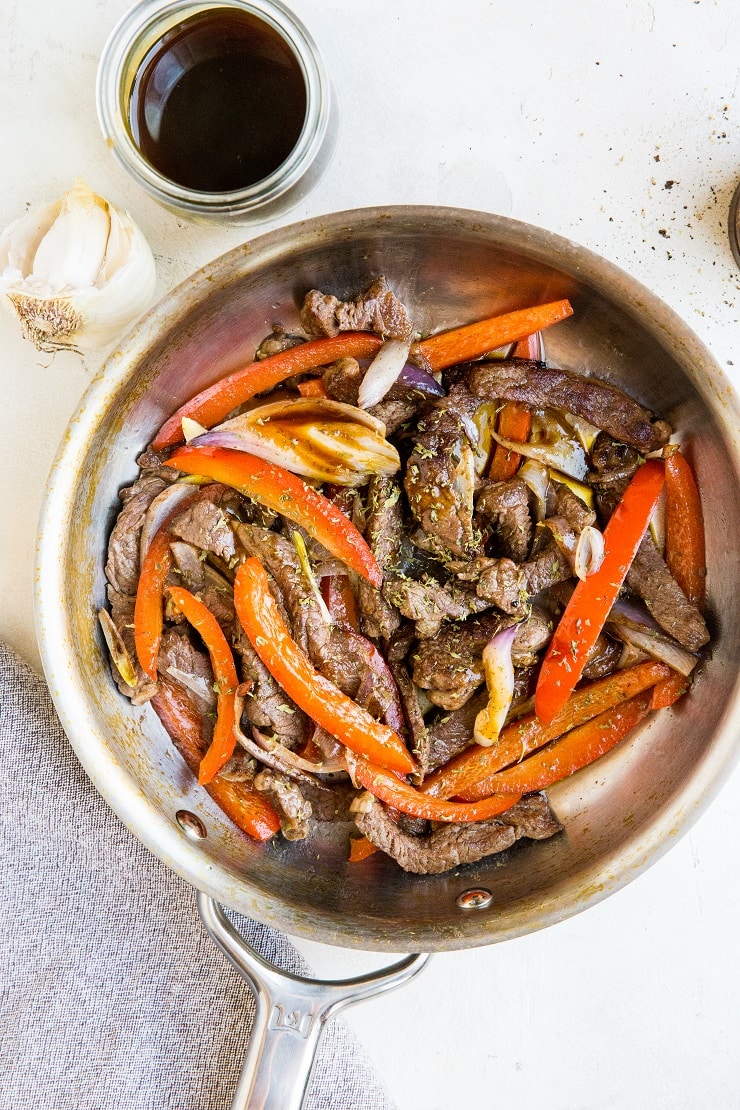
(312,387)
(217,401)
(224,670)
(668,691)
(473,340)
(311,691)
(573,751)
(515,420)
(284,492)
(155,567)
(361,848)
(593,597)
(684,529)
(340,600)
(407,799)
(250,811)
(470,775)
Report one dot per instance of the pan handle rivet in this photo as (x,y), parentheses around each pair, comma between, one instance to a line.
(476,899)
(191,825)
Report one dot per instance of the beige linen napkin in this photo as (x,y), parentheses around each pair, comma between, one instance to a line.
(113,995)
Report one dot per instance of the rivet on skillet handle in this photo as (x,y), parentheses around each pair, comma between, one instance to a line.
(291,1014)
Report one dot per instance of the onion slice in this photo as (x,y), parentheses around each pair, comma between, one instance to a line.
(656,645)
(161,507)
(417,380)
(118,651)
(565,455)
(537,477)
(320,439)
(383,372)
(589,552)
(499,671)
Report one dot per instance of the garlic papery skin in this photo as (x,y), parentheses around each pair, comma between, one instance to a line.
(76,272)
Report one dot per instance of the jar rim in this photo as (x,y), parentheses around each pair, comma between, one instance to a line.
(142,27)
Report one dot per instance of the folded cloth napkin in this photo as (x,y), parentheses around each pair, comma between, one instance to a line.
(113,993)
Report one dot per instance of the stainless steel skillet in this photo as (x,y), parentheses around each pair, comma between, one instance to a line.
(451,266)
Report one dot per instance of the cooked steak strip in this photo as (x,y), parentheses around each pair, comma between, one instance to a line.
(189,667)
(342,380)
(603,658)
(450,666)
(452,845)
(651,580)
(417,730)
(122,566)
(452,733)
(510,585)
(206,583)
(429,603)
(440,475)
(291,807)
(205,525)
(383,531)
(506,506)
(378,310)
(276,342)
(562,501)
(267,706)
(544,386)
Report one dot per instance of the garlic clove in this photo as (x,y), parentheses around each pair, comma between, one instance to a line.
(71,253)
(77,271)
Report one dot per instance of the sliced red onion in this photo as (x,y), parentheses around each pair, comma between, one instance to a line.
(499,671)
(566,455)
(414,378)
(196,684)
(318,438)
(383,372)
(118,650)
(589,553)
(659,647)
(537,477)
(160,508)
(633,612)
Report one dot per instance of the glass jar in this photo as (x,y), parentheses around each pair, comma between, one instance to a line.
(132,40)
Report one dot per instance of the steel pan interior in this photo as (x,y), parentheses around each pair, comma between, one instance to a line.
(450,266)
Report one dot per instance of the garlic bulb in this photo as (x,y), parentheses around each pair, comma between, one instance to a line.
(76,272)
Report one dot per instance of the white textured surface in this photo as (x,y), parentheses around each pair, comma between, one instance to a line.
(615,125)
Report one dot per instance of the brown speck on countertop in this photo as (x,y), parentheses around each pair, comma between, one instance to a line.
(664,232)
(669,184)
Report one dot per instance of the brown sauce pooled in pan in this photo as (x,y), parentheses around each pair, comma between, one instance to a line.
(218,103)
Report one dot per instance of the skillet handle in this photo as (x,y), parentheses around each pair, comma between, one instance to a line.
(292,1012)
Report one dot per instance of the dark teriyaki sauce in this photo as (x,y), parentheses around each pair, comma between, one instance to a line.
(219,103)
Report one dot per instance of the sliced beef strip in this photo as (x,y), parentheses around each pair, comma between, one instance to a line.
(187,665)
(276,342)
(562,501)
(122,566)
(268,707)
(509,585)
(429,603)
(394,412)
(205,524)
(603,658)
(292,808)
(440,475)
(452,845)
(154,464)
(450,667)
(506,506)
(378,310)
(651,580)
(417,730)
(383,531)
(342,380)
(206,583)
(543,386)
(333,650)
(452,733)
